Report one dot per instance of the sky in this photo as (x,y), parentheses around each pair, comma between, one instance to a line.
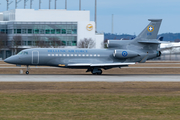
(130,16)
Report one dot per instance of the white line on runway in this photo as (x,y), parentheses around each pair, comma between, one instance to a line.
(90,78)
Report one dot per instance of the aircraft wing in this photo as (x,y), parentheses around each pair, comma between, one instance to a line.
(100,65)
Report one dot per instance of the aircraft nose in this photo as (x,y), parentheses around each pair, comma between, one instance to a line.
(9,60)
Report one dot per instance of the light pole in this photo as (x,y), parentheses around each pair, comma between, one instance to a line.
(55,4)
(95,17)
(39,4)
(66,4)
(79,5)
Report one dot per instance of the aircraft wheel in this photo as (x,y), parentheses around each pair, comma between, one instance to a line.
(27,72)
(100,73)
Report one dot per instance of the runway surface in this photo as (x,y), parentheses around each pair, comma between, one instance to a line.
(90,78)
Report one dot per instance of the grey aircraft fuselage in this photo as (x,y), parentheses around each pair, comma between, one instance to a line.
(119,53)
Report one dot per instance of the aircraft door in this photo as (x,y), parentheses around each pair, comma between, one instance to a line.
(35,57)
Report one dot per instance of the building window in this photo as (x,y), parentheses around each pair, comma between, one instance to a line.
(18,31)
(36,31)
(23,31)
(63,31)
(75,54)
(47,31)
(49,55)
(29,31)
(58,31)
(71,54)
(15,31)
(69,31)
(94,55)
(74,31)
(52,54)
(74,43)
(29,43)
(53,31)
(79,55)
(41,31)
(56,54)
(87,55)
(91,55)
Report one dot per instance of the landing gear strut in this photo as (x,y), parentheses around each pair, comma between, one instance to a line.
(27,72)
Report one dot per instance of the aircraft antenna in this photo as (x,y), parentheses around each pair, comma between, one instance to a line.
(95,17)
(8,4)
(79,5)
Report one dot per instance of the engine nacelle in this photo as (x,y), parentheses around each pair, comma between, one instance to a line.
(122,54)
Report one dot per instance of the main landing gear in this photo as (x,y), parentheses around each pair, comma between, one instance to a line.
(95,71)
(27,72)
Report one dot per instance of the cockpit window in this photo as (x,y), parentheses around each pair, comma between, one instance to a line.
(23,53)
(20,53)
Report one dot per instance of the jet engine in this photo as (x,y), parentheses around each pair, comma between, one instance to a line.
(122,54)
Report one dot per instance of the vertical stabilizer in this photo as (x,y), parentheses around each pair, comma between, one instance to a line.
(151,31)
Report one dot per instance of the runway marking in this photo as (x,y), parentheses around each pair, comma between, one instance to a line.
(90,78)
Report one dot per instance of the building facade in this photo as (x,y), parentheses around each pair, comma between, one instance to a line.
(65,28)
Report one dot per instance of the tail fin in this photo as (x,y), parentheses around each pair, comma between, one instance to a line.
(151,31)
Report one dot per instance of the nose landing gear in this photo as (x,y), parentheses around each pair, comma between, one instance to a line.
(27,72)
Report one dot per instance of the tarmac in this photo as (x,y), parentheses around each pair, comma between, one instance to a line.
(91,78)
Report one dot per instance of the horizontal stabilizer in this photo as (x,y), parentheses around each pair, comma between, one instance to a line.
(100,65)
